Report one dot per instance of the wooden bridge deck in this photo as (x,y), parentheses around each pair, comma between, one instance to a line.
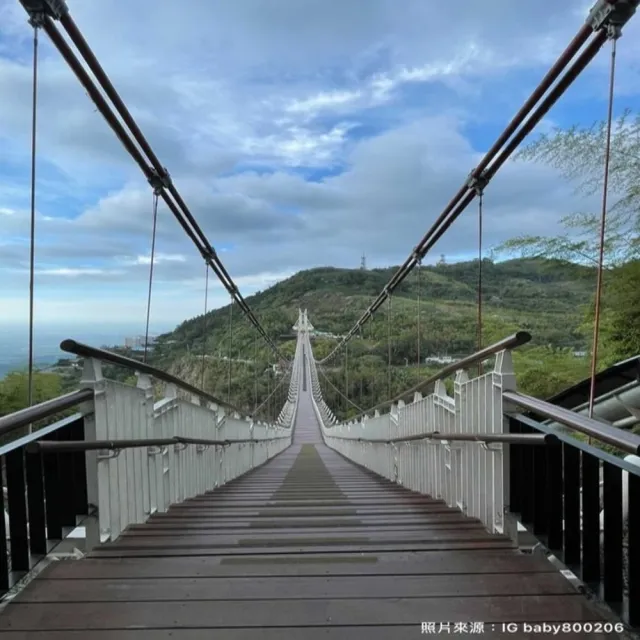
(308,546)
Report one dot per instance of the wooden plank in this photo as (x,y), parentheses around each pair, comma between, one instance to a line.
(446,545)
(406,532)
(432,563)
(219,501)
(301,613)
(283,511)
(304,491)
(284,539)
(213,589)
(332,484)
(308,546)
(309,521)
(300,528)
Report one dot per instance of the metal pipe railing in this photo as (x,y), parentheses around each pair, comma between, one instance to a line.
(82,445)
(43,410)
(86,351)
(506,438)
(511,342)
(602,431)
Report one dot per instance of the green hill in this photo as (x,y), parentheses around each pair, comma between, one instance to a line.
(545,297)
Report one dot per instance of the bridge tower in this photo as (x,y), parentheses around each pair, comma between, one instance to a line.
(303,324)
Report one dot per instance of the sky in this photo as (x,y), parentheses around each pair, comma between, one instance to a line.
(301,133)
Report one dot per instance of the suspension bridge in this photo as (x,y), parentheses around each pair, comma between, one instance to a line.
(466,510)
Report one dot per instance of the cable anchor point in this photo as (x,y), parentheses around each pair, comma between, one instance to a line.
(37,20)
(611,15)
(417,255)
(39,10)
(477,182)
(208,256)
(159,180)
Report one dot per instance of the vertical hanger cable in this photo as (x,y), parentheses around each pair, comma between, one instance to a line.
(230,347)
(480,192)
(32,248)
(614,34)
(204,328)
(152,260)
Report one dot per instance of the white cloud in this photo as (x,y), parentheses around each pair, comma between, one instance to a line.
(67,272)
(157,259)
(323,101)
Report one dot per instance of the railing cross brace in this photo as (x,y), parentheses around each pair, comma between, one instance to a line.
(107,454)
(156,451)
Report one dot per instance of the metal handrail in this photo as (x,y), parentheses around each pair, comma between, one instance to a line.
(93,445)
(600,430)
(507,438)
(87,351)
(21,442)
(42,410)
(510,342)
(567,438)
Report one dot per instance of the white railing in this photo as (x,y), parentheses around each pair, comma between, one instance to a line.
(472,476)
(130,484)
(325,415)
(289,410)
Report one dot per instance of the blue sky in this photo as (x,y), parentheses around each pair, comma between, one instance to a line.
(301,133)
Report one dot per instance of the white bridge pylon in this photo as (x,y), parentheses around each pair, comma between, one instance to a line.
(303,324)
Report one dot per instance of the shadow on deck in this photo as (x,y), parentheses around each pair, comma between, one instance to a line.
(308,545)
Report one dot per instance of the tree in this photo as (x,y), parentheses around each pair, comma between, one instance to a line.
(14,390)
(578,153)
(14,396)
(620,315)
(543,371)
(623,298)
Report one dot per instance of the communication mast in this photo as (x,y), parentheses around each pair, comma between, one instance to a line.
(363,263)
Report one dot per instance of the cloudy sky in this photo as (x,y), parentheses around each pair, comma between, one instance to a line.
(300,132)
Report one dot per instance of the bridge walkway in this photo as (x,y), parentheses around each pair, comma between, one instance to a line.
(308,545)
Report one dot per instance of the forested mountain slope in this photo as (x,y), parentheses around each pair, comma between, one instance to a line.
(546,297)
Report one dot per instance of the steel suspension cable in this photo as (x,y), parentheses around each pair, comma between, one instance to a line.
(337,391)
(614,34)
(153,258)
(204,328)
(32,247)
(137,147)
(281,385)
(493,161)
